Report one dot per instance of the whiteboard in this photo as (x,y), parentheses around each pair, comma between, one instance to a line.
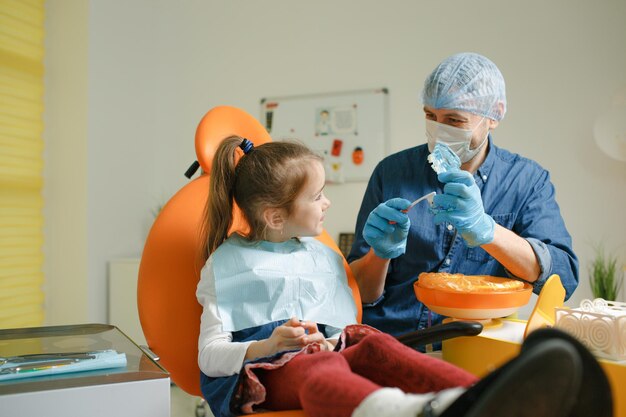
(348,129)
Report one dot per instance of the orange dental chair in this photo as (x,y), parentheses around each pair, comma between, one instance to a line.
(170,265)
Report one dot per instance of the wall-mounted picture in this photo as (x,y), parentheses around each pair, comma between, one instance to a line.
(348,129)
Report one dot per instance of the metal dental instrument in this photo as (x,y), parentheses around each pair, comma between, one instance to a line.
(428,197)
(38,366)
(36,357)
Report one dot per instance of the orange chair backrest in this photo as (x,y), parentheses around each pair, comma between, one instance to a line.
(170,264)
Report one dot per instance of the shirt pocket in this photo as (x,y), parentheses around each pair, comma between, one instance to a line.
(478,254)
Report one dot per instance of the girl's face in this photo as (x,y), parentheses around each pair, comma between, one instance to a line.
(310,206)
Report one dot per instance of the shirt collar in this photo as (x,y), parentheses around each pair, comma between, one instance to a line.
(484,169)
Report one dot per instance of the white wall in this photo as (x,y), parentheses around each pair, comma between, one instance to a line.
(65,169)
(156,67)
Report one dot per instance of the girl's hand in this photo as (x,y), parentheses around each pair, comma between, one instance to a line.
(315,336)
(290,335)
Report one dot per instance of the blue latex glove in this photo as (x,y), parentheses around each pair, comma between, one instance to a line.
(462,205)
(388,240)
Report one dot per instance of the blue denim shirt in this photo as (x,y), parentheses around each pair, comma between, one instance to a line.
(517,194)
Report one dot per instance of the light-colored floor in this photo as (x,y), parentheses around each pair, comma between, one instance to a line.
(184,405)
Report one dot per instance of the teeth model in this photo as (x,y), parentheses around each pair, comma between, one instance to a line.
(443,159)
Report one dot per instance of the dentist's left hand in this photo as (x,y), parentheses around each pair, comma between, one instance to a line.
(461,204)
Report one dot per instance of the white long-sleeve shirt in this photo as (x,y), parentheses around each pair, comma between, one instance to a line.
(218,355)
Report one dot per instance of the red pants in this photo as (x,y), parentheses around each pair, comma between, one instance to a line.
(333,384)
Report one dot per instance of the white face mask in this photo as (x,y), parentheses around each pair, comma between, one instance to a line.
(457,139)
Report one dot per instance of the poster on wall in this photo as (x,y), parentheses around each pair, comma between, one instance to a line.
(348,129)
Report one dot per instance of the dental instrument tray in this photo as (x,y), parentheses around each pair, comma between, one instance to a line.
(58,355)
(139,388)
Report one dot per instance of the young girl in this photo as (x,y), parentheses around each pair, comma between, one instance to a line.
(275,302)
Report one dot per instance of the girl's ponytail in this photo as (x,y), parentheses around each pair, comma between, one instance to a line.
(219,208)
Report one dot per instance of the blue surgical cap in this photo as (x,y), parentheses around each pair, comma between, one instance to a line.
(468,82)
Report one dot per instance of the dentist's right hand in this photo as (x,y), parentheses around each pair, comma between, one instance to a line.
(388,240)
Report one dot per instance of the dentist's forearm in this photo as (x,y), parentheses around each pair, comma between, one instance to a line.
(514,253)
(370,272)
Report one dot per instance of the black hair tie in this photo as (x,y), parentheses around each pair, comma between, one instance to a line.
(246,146)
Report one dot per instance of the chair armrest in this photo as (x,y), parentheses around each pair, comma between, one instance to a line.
(440,332)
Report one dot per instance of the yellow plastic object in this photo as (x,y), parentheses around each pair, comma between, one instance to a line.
(481,355)
(493,347)
(552,295)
